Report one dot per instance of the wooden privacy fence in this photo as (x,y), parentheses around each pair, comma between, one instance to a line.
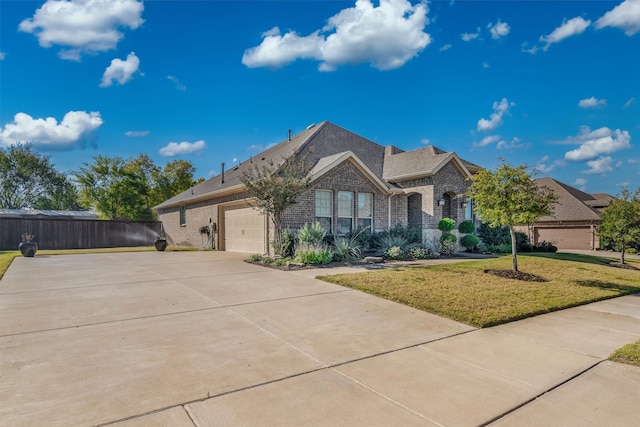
(54,233)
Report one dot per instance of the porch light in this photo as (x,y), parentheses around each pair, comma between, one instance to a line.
(441,202)
(464,204)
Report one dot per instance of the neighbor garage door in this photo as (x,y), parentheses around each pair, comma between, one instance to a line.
(566,238)
(243,230)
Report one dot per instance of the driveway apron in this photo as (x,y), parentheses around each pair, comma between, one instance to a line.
(202,338)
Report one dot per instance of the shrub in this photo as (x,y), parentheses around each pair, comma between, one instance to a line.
(631,250)
(446,225)
(466,227)
(313,253)
(448,244)
(395,252)
(288,242)
(500,236)
(311,233)
(420,253)
(390,241)
(408,234)
(345,249)
(500,249)
(267,260)
(544,246)
(525,247)
(255,258)
(469,241)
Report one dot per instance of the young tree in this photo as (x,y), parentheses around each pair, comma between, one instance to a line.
(621,220)
(30,180)
(509,196)
(277,187)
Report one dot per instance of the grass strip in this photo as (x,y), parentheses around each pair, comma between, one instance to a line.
(464,292)
(629,354)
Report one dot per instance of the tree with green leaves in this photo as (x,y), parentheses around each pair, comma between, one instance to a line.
(29,180)
(274,188)
(508,196)
(129,188)
(621,221)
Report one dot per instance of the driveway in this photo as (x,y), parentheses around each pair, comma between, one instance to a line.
(202,338)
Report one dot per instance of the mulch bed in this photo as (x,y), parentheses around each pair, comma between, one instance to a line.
(516,275)
(618,264)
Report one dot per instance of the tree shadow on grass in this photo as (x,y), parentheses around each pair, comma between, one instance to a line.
(587,259)
(620,289)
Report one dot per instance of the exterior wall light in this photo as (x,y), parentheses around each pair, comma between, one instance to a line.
(464,204)
(440,202)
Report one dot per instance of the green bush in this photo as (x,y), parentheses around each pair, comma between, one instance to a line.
(446,224)
(631,251)
(389,241)
(544,247)
(500,249)
(501,236)
(255,258)
(469,241)
(311,233)
(420,253)
(395,252)
(267,260)
(466,227)
(345,249)
(448,244)
(289,238)
(381,239)
(313,253)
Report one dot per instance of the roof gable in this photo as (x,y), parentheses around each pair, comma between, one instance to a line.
(572,203)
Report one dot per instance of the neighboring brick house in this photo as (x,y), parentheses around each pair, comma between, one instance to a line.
(354,183)
(574,223)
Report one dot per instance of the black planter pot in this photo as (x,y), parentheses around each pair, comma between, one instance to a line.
(160,244)
(28,249)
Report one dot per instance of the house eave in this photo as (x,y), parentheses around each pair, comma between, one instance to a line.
(201,197)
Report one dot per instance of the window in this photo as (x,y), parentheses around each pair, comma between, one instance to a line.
(365,210)
(345,213)
(323,208)
(468,210)
(183,215)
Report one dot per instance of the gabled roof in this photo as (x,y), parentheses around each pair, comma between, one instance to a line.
(323,144)
(326,164)
(405,165)
(573,204)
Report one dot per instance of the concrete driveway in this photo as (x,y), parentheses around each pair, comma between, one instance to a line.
(202,338)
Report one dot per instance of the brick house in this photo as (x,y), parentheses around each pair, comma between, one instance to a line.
(354,183)
(574,223)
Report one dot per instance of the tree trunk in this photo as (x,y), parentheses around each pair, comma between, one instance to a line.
(514,249)
(622,253)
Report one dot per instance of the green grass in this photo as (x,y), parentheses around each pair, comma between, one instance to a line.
(464,292)
(7,256)
(629,354)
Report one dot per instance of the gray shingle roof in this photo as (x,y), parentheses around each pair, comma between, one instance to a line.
(321,141)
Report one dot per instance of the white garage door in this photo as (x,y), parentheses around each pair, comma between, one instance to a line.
(244,230)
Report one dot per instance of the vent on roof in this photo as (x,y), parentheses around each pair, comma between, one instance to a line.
(222,177)
(311,126)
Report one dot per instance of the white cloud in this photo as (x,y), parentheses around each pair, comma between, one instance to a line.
(543,166)
(599,166)
(176,83)
(597,142)
(467,37)
(487,140)
(136,133)
(485,65)
(515,143)
(568,28)
(580,184)
(386,37)
(499,109)
(445,47)
(74,128)
(2,56)
(425,141)
(83,25)
(625,16)
(629,102)
(176,148)
(500,29)
(592,103)
(120,71)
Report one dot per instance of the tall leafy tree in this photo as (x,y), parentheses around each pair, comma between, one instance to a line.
(129,188)
(509,196)
(30,180)
(621,221)
(276,187)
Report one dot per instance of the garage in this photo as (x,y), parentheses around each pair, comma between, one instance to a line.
(244,230)
(566,237)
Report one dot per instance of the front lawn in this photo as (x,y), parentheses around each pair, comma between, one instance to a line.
(466,293)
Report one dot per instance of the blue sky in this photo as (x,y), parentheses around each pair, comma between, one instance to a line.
(550,84)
